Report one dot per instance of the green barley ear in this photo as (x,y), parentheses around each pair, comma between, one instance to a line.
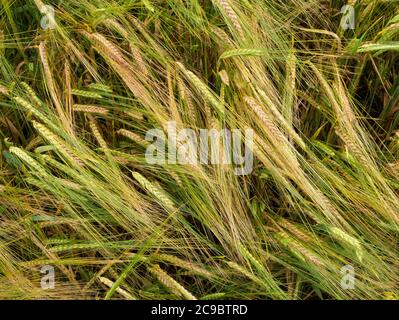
(272,291)
(304,254)
(39,115)
(32,94)
(148,5)
(202,88)
(214,296)
(86,94)
(33,165)
(344,237)
(58,143)
(100,87)
(263,271)
(242,53)
(237,268)
(68,184)
(155,191)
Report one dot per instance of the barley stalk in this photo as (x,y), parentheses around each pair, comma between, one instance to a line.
(289,96)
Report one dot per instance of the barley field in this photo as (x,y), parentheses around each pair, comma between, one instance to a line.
(108,192)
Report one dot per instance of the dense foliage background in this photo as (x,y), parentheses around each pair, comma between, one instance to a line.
(78,94)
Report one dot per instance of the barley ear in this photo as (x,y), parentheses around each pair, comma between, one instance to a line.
(170,283)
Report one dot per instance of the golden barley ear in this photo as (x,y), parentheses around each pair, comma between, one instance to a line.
(170,283)
(228,10)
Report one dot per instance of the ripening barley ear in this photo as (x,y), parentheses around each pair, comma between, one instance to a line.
(133,136)
(232,16)
(57,142)
(155,191)
(65,120)
(192,267)
(96,132)
(89,109)
(203,89)
(170,283)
